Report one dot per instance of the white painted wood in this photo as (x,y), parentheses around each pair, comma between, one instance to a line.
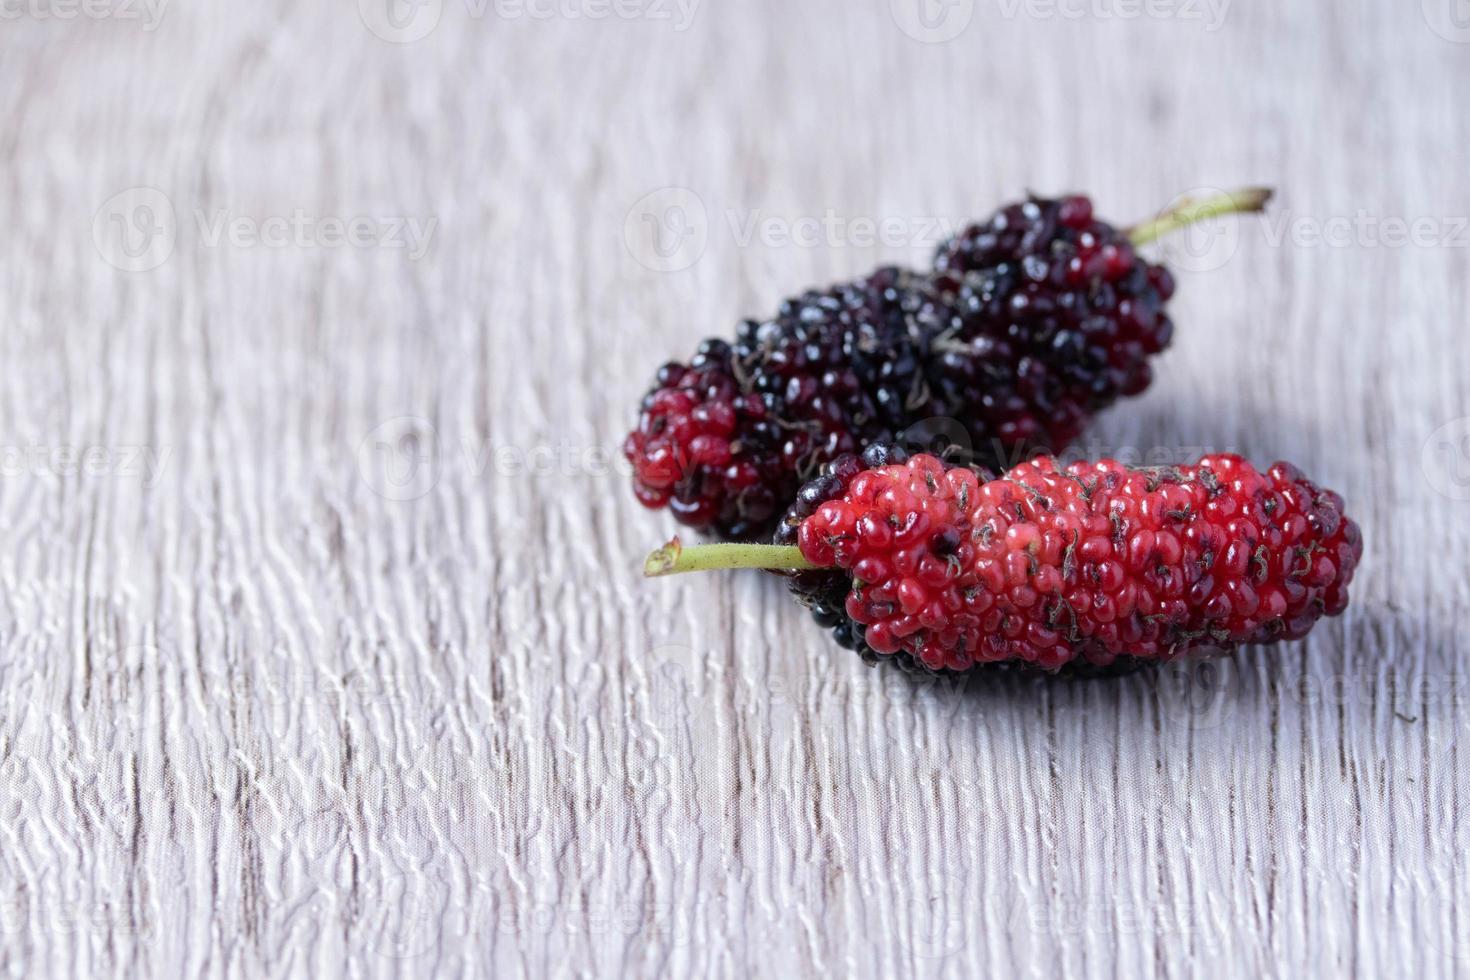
(260,718)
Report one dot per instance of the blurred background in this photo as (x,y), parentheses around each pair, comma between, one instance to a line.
(322,642)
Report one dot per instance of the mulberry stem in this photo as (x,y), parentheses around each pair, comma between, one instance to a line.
(674,558)
(1188,211)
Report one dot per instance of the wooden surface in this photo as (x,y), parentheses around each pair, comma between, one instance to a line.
(322,644)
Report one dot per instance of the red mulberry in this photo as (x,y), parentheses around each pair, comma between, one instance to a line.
(1048,565)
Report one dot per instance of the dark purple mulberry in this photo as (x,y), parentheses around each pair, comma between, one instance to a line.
(1030,324)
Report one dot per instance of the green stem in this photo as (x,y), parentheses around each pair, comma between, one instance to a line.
(674,558)
(1188,211)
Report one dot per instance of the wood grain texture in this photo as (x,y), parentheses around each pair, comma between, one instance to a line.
(322,646)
